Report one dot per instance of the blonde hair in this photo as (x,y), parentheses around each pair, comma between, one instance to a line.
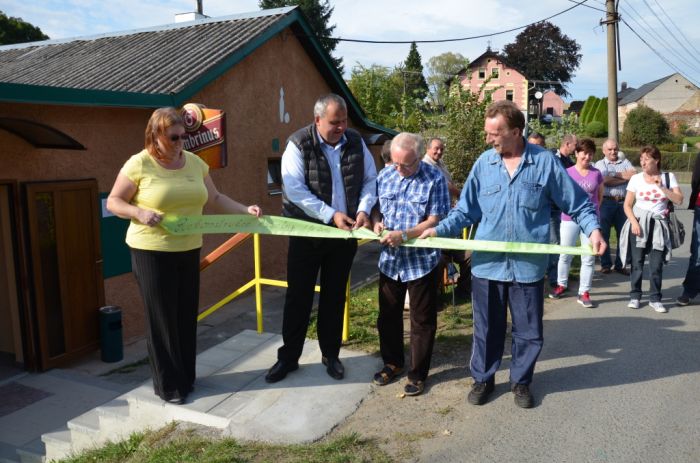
(161,120)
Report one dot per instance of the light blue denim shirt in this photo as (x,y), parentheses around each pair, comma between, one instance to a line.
(516,209)
(298,192)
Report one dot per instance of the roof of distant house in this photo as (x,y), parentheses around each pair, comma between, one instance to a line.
(639,93)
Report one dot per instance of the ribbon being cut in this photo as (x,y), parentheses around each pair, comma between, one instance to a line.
(284,226)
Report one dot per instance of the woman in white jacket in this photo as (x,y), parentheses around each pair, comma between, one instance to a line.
(646,207)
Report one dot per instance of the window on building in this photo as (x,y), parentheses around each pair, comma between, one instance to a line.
(274,176)
(494,73)
(482,73)
(509,95)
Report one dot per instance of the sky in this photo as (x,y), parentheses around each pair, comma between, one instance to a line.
(668,26)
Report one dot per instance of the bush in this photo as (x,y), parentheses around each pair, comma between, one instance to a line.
(644,126)
(596,129)
(588,108)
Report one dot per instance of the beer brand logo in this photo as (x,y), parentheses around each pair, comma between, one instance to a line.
(193,116)
(205,129)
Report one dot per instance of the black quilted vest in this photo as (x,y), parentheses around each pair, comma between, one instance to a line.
(318,175)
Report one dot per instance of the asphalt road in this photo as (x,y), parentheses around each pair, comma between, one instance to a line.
(612,385)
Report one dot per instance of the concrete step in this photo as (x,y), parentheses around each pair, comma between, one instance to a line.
(85,431)
(33,452)
(58,444)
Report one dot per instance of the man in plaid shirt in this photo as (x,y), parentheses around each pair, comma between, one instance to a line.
(413,197)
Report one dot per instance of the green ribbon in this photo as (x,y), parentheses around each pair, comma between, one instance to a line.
(285,226)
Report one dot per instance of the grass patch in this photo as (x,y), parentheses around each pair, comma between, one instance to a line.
(174,443)
(454,322)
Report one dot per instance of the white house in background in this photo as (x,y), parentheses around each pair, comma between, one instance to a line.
(674,96)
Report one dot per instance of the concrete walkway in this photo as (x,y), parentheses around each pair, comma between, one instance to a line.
(79,406)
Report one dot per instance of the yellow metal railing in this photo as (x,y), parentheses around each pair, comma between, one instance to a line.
(258,281)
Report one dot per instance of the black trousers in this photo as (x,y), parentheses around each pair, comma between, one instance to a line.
(305,259)
(423,296)
(169,284)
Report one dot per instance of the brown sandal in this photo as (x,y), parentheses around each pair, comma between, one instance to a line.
(387,374)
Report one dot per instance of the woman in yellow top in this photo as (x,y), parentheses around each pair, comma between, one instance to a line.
(165,179)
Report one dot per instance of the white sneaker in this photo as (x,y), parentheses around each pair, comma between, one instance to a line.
(658,306)
(633,304)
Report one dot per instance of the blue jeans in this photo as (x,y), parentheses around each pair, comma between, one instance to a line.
(691,284)
(612,214)
(570,232)
(489,301)
(554,238)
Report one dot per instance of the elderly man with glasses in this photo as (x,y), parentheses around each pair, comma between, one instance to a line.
(412,198)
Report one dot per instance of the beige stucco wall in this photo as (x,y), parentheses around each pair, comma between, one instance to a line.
(250,95)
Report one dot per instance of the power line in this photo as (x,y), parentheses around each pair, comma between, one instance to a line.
(679,31)
(669,31)
(661,57)
(577,4)
(664,43)
(589,6)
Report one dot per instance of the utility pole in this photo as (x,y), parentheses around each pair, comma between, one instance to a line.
(611,21)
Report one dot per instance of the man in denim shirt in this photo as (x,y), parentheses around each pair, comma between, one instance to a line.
(509,193)
(413,196)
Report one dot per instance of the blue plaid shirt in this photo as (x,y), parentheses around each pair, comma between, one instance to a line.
(404,203)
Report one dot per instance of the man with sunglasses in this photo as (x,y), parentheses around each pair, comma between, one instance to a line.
(413,196)
(329,177)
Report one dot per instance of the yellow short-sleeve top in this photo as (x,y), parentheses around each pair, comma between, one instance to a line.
(179,191)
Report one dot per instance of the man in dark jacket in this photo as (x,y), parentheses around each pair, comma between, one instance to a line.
(329,177)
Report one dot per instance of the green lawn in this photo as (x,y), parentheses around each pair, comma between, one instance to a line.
(177,444)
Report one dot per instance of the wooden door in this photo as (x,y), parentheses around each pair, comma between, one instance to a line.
(66,267)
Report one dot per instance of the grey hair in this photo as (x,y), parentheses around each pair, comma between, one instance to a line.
(430,141)
(408,142)
(323,102)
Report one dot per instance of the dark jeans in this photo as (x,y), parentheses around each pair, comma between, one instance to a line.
(305,259)
(656,265)
(489,301)
(554,238)
(612,215)
(169,284)
(423,296)
(691,284)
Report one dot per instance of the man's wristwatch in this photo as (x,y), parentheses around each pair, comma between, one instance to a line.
(404,236)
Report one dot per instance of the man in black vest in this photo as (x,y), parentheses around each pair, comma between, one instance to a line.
(329,177)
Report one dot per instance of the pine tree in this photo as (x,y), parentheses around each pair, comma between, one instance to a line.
(318,12)
(416,86)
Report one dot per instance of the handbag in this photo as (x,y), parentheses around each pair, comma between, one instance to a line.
(675,227)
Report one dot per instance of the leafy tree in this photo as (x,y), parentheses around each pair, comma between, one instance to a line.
(416,86)
(645,126)
(440,69)
(16,30)
(318,12)
(378,89)
(542,52)
(463,128)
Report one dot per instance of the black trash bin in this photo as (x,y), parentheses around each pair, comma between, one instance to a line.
(111,334)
